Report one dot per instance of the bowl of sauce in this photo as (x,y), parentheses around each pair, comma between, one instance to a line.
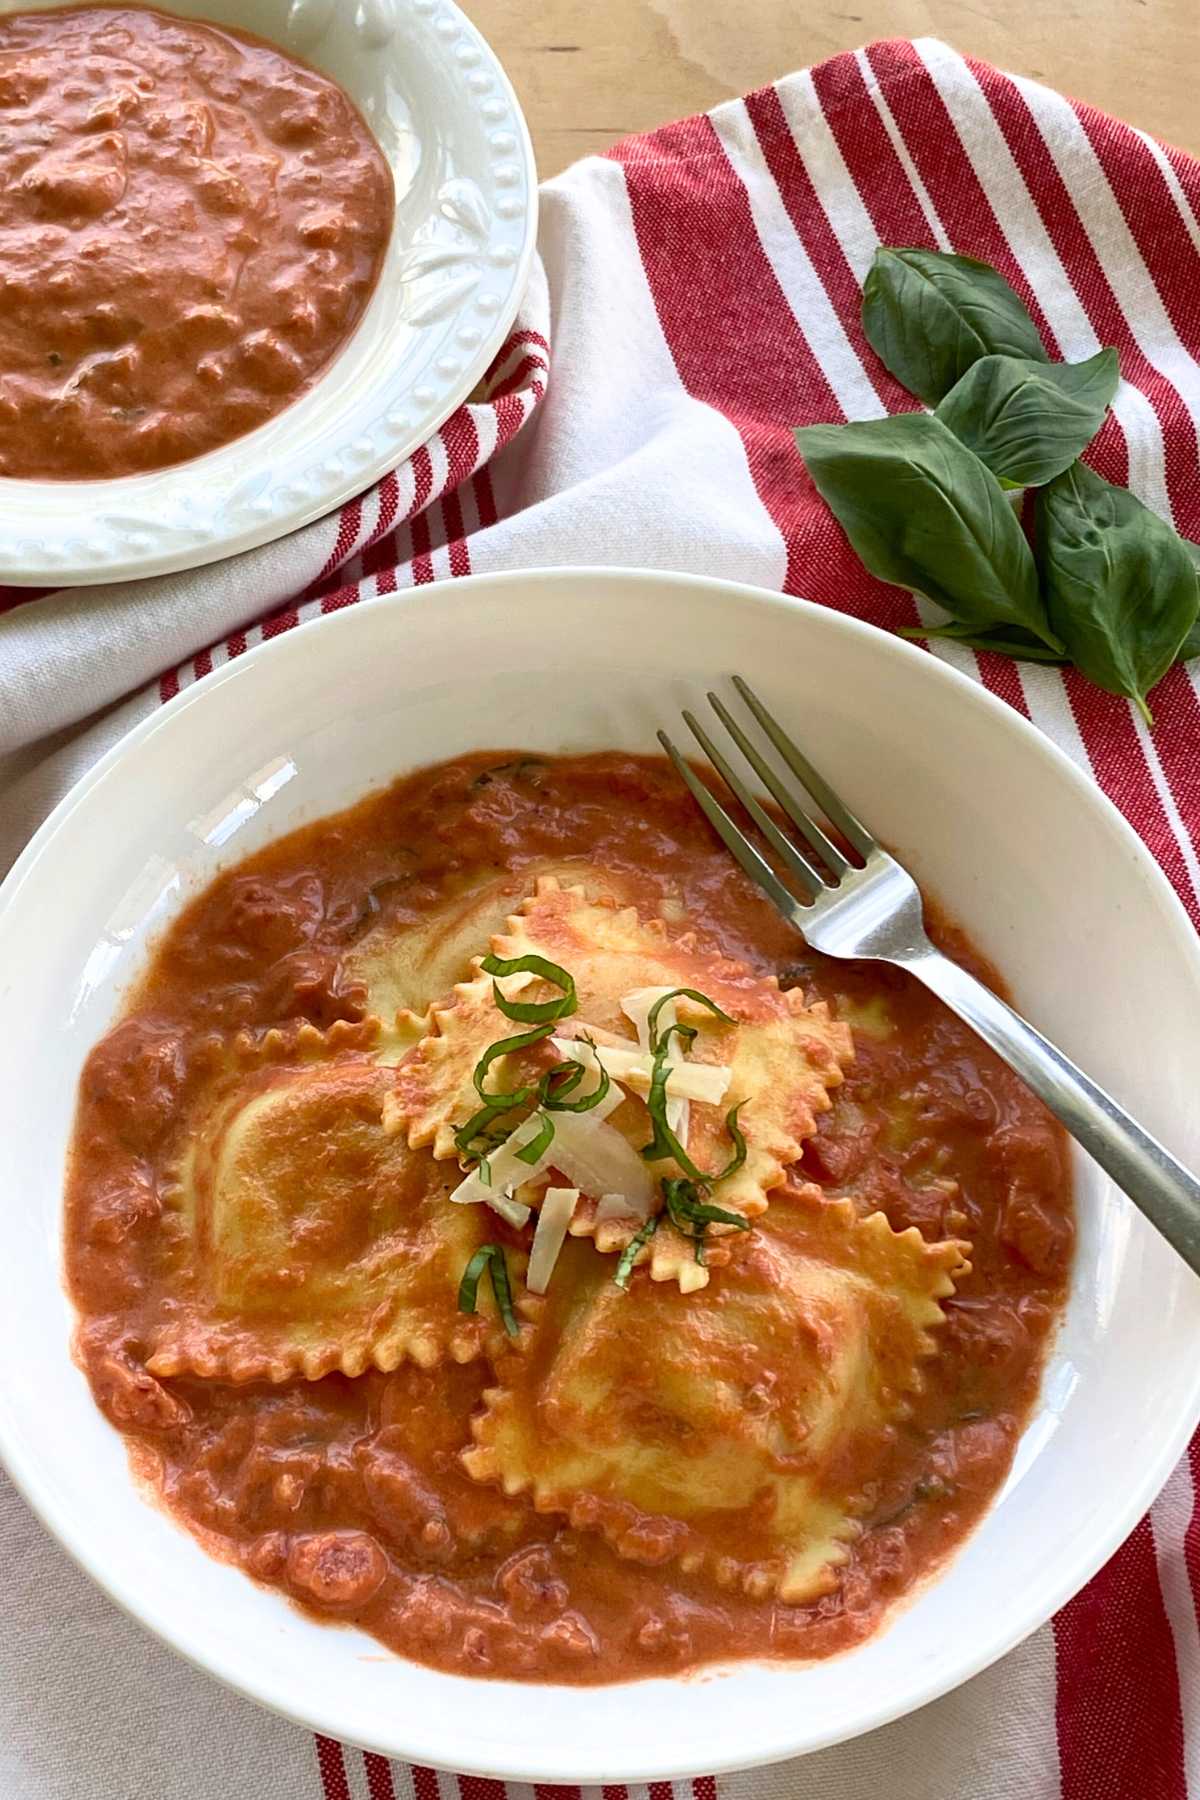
(250,257)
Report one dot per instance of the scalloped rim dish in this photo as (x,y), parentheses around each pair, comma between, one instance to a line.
(1001,831)
(456,271)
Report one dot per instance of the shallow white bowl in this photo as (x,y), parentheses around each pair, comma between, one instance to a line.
(1026,853)
(456,269)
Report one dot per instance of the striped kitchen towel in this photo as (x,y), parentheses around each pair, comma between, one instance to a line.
(700,288)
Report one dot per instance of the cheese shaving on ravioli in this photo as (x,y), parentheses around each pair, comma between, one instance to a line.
(739,1434)
(776,1060)
(306,1239)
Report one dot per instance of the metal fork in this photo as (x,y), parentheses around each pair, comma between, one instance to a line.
(873,911)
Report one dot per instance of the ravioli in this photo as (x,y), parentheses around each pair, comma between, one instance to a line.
(784,1056)
(403,969)
(307,1239)
(737,1433)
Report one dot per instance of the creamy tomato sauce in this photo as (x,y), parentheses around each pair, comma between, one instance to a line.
(349,1494)
(191,225)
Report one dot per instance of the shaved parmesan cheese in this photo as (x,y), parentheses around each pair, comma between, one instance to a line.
(613,1206)
(553,1219)
(574,1028)
(635,1068)
(599,1160)
(507,1171)
(509,1209)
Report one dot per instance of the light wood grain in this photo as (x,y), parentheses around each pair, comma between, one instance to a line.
(591,71)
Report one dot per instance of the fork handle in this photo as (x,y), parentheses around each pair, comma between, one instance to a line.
(1156,1183)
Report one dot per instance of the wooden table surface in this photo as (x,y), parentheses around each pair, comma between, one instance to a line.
(590,71)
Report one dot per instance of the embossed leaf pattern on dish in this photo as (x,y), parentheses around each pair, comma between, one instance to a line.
(444,265)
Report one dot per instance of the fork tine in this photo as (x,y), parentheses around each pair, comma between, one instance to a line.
(742,851)
(823,846)
(788,854)
(835,811)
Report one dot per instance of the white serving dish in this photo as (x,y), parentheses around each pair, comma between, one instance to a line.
(1019,846)
(456,270)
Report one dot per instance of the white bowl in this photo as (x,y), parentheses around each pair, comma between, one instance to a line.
(1020,847)
(449,124)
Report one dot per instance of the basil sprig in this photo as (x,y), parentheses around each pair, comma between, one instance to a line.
(491,1258)
(1107,585)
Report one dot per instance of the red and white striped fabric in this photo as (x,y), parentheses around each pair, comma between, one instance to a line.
(701,294)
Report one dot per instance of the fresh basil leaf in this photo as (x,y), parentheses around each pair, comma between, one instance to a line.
(1022,646)
(929,316)
(1191,644)
(921,510)
(1120,587)
(1028,421)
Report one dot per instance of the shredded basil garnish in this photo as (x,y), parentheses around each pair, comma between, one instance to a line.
(686,1207)
(531,1012)
(664,1143)
(529,1153)
(629,1253)
(490,1257)
(564,1078)
(477,1139)
(692,1215)
(680,994)
(739,1145)
(505,1047)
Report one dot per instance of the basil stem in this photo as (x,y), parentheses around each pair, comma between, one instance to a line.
(532,1012)
(1022,646)
(490,1257)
